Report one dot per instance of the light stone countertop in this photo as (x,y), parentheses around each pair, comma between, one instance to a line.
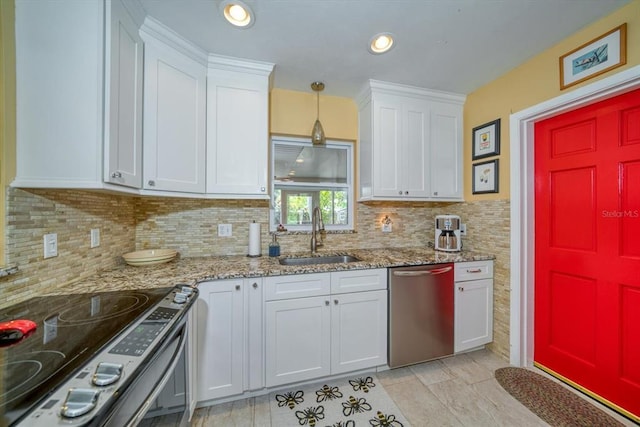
(192,271)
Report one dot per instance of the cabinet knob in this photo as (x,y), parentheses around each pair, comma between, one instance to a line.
(116,174)
(237,287)
(263,189)
(335,301)
(326,302)
(460,288)
(152,183)
(255,286)
(435,193)
(406,193)
(400,193)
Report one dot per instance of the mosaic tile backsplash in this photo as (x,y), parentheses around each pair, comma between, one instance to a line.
(130,223)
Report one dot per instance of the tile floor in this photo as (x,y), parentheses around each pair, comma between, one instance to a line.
(456,391)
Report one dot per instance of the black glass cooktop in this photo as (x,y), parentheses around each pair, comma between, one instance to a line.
(69,330)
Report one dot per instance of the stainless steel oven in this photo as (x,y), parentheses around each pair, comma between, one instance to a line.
(99,359)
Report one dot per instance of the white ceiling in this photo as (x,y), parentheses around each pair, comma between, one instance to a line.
(450,45)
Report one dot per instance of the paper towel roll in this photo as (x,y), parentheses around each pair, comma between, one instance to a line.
(254,239)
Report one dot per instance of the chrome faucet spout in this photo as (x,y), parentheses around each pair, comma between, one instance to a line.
(316,225)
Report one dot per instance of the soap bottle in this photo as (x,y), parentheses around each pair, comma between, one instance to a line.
(274,246)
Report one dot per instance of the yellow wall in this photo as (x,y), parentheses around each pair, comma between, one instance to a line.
(294,113)
(533,82)
(7,106)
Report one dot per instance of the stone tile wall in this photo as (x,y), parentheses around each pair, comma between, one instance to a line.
(129,223)
(71,215)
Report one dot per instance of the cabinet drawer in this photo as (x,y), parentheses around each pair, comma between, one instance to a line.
(473,270)
(358,280)
(297,286)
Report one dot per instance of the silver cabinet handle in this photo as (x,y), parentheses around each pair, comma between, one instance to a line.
(461,289)
(326,303)
(474,270)
(116,174)
(414,273)
(400,193)
(263,189)
(237,287)
(435,193)
(152,183)
(335,301)
(255,286)
(406,192)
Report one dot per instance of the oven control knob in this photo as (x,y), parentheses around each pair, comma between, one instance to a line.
(107,373)
(186,290)
(180,298)
(79,401)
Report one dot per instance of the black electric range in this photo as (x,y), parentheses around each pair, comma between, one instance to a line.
(46,340)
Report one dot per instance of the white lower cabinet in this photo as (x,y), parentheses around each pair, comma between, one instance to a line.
(229,337)
(324,332)
(473,305)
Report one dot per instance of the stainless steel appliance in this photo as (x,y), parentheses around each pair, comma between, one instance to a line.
(420,313)
(448,233)
(97,359)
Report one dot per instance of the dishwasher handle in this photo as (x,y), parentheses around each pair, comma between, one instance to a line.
(414,273)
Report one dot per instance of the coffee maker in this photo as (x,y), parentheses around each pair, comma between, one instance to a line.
(448,233)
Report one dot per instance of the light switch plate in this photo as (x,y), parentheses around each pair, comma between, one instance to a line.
(224,230)
(95,237)
(50,245)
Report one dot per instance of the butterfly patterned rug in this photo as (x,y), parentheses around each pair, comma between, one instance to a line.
(350,402)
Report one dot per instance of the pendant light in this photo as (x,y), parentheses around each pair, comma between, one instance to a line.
(317,134)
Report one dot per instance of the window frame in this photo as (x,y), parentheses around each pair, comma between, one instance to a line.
(347,186)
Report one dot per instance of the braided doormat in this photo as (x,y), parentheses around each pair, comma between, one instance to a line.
(551,401)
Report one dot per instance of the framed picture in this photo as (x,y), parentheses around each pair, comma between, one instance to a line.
(486,140)
(485,177)
(598,56)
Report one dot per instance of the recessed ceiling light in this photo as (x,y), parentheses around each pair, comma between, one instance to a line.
(381,43)
(237,13)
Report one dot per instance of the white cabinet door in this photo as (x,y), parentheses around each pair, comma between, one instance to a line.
(415,153)
(174,120)
(473,314)
(254,342)
(387,147)
(220,338)
(446,151)
(237,133)
(358,331)
(298,339)
(123,117)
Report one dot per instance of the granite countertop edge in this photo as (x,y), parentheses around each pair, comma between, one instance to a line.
(192,271)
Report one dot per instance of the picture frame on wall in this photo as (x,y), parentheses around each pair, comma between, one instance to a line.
(485,177)
(486,140)
(595,57)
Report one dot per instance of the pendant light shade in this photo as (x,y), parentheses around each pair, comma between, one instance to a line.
(317,134)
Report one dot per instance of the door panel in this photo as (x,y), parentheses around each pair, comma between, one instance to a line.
(587,250)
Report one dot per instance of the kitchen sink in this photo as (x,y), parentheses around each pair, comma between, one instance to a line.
(326,259)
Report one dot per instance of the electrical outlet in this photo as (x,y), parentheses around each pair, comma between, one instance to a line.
(50,245)
(463,229)
(386,228)
(224,230)
(95,237)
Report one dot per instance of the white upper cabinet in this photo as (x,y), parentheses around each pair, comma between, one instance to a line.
(175,90)
(410,143)
(123,88)
(237,128)
(66,86)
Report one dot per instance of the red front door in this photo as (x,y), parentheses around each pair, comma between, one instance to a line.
(587,248)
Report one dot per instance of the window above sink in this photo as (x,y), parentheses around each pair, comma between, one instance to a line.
(305,176)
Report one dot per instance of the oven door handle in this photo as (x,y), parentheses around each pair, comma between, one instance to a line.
(135,420)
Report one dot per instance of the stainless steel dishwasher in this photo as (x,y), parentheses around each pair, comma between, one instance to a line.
(420,313)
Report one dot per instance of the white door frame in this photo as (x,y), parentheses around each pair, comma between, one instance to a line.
(522,199)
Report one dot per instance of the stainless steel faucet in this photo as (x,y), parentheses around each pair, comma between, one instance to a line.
(316,225)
